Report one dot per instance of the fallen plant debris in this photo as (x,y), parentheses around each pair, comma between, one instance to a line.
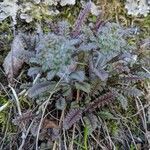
(75,84)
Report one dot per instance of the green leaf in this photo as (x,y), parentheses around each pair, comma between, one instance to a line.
(78,75)
(74,104)
(106,115)
(86,137)
(60,103)
(66,90)
(91,122)
(123,101)
(83,86)
(133,91)
(51,74)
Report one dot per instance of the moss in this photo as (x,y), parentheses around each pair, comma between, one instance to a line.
(113,127)
(5,39)
(3,114)
(111,10)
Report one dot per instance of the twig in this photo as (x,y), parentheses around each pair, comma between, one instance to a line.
(103,148)
(64,139)
(60,122)
(22,92)
(139,111)
(36,78)
(45,104)
(143,117)
(131,136)
(74,126)
(24,133)
(110,140)
(4,106)
(146,70)
(24,138)
(73,135)
(17,100)
(5,90)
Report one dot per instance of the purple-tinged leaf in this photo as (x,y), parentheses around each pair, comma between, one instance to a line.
(102,74)
(81,18)
(72,117)
(101,101)
(12,63)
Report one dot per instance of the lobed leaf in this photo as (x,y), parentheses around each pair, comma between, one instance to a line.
(81,18)
(73,116)
(133,91)
(101,101)
(40,88)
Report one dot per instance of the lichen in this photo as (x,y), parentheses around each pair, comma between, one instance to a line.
(137,7)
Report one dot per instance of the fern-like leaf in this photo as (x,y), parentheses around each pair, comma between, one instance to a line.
(72,117)
(81,18)
(101,101)
(133,91)
(132,78)
(123,100)
(40,88)
(96,85)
